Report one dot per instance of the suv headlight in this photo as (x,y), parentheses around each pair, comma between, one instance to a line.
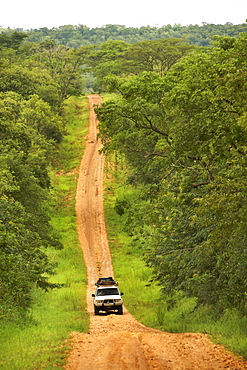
(118,300)
(98,301)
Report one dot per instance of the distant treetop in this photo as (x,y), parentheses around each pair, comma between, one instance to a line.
(81,35)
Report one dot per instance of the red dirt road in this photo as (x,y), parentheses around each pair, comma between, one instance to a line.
(115,341)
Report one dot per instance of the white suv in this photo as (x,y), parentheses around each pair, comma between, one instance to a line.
(107,298)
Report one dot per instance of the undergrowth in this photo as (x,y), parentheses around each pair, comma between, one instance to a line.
(40,340)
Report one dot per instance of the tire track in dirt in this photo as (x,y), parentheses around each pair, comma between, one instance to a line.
(116,341)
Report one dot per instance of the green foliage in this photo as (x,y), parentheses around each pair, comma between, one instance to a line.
(184,137)
(28,80)
(174,312)
(80,35)
(30,130)
(40,339)
(12,41)
(48,70)
(108,58)
(117,58)
(25,227)
(133,120)
(64,65)
(156,56)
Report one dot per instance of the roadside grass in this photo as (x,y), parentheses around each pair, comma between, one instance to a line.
(142,296)
(41,341)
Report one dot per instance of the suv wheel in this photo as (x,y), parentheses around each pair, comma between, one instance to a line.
(120,310)
(96,310)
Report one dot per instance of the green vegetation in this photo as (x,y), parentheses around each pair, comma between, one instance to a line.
(143,297)
(183,137)
(40,339)
(35,82)
(42,277)
(76,36)
(176,124)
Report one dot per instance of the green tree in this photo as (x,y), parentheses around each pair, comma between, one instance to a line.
(203,246)
(106,59)
(13,41)
(121,59)
(65,66)
(132,123)
(25,229)
(29,79)
(156,55)
(185,133)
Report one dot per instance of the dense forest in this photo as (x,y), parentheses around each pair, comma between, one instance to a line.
(177,117)
(81,35)
(182,131)
(34,84)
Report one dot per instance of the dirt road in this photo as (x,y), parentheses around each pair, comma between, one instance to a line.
(120,342)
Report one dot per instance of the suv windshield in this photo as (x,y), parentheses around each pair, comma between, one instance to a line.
(112,291)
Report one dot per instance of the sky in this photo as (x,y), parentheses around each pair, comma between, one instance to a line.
(31,14)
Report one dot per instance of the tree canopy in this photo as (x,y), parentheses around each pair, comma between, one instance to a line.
(34,82)
(178,118)
(184,136)
(76,36)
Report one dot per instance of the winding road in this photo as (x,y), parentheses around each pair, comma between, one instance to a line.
(115,341)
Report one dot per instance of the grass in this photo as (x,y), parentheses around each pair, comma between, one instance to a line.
(143,298)
(41,342)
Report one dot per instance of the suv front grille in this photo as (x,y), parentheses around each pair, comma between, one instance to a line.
(108,301)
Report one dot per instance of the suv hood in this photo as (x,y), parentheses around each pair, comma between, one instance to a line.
(103,297)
